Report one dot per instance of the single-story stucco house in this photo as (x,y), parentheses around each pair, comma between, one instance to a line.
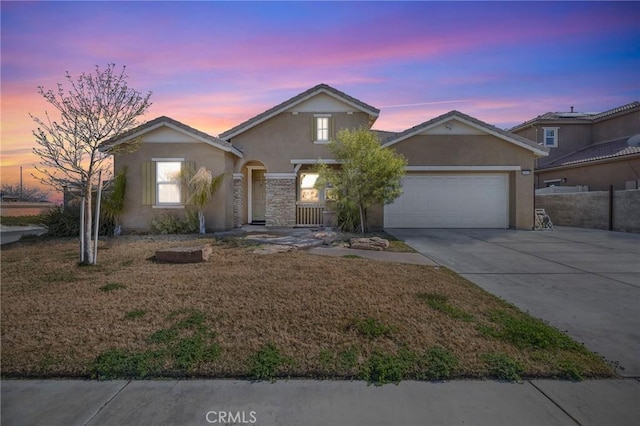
(461,172)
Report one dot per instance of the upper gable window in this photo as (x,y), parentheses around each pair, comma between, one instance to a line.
(322,128)
(550,137)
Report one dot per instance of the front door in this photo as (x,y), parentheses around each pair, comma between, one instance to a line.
(258,196)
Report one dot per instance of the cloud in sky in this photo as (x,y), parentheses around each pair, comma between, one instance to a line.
(213,65)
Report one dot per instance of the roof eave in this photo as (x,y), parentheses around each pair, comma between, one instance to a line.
(162,123)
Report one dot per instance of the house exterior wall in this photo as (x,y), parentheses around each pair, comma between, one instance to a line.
(616,127)
(273,144)
(572,136)
(286,136)
(137,217)
(597,176)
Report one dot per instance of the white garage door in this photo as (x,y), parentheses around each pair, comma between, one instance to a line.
(450,201)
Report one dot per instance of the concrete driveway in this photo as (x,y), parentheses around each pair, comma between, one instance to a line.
(585,282)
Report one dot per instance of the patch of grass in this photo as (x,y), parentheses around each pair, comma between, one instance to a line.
(122,364)
(21,220)
(265,363)
(382,368)
(439,303)
(182,347)
(112,286)
(348,359)
(192,350)
(371,328)
(399,247)
(59,276)
(524,331)
(352,256)
(441,363)
(207,320)
(503,366)
(137,313)
(571,370)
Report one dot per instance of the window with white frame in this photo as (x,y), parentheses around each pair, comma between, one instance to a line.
(168,188)
(550,136)
(322,128)
(308,192)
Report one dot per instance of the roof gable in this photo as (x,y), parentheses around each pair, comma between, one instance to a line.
(166,122)
(455,122)
(329,94)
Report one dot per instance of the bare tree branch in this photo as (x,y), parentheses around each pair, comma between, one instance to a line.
(90,110)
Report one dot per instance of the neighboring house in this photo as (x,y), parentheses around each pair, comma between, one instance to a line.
(461,171)
(587,149)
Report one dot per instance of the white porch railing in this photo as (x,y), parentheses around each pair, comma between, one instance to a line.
(309,214)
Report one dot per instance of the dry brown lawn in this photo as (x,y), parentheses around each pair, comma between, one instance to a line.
(324,316)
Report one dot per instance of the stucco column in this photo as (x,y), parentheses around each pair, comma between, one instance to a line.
(281,200)
(238,200)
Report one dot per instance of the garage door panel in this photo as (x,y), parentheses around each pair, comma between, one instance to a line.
(452,201)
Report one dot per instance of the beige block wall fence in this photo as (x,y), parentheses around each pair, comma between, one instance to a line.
(591,209)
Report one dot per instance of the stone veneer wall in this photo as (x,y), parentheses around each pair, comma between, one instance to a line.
(281,202)
(238,205)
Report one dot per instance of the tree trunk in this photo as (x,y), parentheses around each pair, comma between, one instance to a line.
(201,221)
(362,227)
(88,245)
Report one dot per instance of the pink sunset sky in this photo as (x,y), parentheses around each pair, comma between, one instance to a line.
(213,65)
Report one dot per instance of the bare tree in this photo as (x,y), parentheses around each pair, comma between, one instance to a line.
(92,108)
(24,192)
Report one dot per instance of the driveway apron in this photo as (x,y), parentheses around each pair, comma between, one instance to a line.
(582,281)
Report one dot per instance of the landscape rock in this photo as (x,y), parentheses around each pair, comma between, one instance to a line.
(184,254)
(373,243)
(326,237)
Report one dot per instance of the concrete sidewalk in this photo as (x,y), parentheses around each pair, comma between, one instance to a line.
(306,402)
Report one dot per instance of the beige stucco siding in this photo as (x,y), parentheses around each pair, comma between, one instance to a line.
(286,136)
(137,217)
(463,150)
(597,176)
(475,150)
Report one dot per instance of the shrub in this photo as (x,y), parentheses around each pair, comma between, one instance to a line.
(172,224)
(64,221)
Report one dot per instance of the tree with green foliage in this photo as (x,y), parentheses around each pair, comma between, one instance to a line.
(202,187)
(91,109)
(369,173)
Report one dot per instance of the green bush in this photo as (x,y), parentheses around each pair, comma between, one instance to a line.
(173,224)
(64,221)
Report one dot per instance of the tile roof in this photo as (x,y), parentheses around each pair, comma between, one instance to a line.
(294,101)
(585,116)
(474,121)
(601,151)
(164,120)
